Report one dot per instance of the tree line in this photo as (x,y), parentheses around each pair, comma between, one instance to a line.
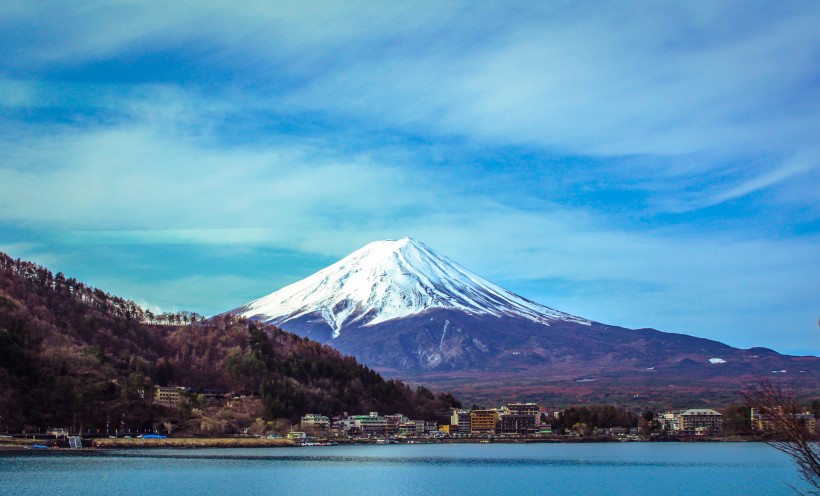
(72,355)
(42,279)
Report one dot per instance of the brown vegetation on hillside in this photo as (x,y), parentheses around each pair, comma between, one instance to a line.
(71,355)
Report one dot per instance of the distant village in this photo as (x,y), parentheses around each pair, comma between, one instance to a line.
(511,421)
(516,420)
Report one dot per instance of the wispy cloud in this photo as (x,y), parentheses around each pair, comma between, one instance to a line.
(617,152)
(770,178)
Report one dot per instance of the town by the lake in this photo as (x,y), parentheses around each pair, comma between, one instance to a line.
(511,422)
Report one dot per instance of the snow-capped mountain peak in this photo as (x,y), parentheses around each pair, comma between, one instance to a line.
(388,280)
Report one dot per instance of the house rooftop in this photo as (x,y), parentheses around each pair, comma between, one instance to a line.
(701,411)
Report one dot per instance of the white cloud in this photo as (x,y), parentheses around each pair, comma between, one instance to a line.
(161,171)
(603,79)
(720,97)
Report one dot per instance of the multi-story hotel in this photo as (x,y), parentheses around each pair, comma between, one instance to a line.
(519,418)
(460,421)
(483,421)
(700,422)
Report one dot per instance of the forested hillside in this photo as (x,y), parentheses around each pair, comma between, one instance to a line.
(72,355)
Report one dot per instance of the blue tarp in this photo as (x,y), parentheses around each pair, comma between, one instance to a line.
(153,436)
(39,446)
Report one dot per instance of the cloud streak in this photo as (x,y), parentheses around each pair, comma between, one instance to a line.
(653,163)
(768,179)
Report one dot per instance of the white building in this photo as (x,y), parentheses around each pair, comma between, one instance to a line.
(315,420)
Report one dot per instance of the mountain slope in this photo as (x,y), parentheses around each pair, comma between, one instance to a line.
(389,280)
(401,308)
(72,355)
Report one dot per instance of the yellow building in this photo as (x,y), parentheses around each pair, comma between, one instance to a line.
(170,395)
(483,421)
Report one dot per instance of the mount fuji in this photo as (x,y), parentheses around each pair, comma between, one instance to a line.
(401,308)
(388,280)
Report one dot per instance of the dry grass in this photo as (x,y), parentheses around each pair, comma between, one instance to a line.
(175,442)
(192,442)
(21,441)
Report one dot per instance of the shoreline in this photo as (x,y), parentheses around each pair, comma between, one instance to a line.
(93,444)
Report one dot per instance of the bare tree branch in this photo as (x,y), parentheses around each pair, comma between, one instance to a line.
(786,427)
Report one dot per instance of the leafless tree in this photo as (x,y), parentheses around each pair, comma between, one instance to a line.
(785,428)
(169,426)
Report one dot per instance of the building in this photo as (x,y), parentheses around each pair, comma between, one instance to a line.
(368,425)
(670,420)
(519,418)
(426,427)
(483,421)
(346,425)
(372,425)
(544,430)
(764,422)
(460,419)
(314,420)
(169,395)
(522,425)
(407,428)
(524,409)
(395,422)
(700,422)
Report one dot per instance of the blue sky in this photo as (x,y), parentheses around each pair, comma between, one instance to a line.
(641,164)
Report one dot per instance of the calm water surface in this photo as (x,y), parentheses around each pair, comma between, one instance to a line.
(470,469)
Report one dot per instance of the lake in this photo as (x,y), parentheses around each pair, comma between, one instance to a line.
(470,469)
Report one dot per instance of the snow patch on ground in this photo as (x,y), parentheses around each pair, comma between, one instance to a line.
(717,360)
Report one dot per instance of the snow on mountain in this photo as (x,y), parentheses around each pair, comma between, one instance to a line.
(392,279)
